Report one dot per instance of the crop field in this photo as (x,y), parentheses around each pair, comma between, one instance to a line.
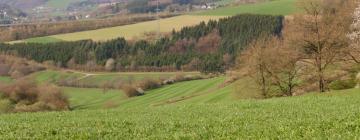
(315,116)
(275,7)
(128,31)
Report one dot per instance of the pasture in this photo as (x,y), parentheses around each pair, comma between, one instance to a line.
(275,7)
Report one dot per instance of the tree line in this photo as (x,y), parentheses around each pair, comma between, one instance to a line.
(207,47)
(317,50)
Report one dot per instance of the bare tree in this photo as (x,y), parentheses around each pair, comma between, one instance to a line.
(253,61)
(273,64)
(322,33)
(353,52)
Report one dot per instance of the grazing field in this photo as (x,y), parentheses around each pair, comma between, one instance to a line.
(275,7)
(127,31)
(315,116)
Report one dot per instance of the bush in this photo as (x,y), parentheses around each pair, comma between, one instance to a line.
(131,91)
(342,84)
(53,97)
(4,69)
(27,96)
(149,84)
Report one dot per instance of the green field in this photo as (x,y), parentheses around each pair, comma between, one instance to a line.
(275,7)
(192,110)
(62,4)
(51,76)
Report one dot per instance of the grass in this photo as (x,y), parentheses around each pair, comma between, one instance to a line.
(127,31)
(5,79)
(51,76)
(275,7)
(92,98)
(61,4)
(315,116)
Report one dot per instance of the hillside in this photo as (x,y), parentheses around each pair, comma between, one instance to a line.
(330,116)
(275,7)
(285,7)
(128,31)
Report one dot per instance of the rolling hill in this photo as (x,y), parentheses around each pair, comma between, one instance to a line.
(128,31)
(183,110)
(167,25)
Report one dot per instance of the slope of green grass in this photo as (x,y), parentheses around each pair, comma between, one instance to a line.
(92,98)
(317,116)
(51,76)
(275,7)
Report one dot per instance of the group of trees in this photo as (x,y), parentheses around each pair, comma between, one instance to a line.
(207,47)
(310,45)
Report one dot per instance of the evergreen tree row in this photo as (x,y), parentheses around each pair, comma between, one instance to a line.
(207,47)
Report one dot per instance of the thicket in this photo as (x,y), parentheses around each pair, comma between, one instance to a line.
(27,96)
(17,67)
(208,47)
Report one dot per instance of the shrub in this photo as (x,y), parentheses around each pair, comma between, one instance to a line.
(27,96)
(53,97)
(342,84)
(131,91)
(4,69)
(149,84)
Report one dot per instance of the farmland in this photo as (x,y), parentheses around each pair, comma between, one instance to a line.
(136,31)
(333,116)
(128,31)
(276,7)
(248,76)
